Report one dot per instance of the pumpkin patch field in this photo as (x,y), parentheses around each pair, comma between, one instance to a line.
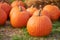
(29,19)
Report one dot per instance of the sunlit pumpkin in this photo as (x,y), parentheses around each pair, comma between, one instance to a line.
(32,10)
(39,25)
(19,18)
(17,3)
(53,11)
(3,17)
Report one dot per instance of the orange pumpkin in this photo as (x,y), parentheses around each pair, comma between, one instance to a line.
(17,3)
(39,25)
(19,18)
(3,16)
(16,8)
(53,11)
(31,10)
(6,7)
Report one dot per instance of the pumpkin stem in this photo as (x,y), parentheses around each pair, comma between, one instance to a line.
(52,3)
(32,6)
(20,8)
(40,10)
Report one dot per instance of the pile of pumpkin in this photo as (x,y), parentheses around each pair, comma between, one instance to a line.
(38,21)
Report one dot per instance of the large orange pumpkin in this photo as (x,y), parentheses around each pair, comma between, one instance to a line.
(39,25)
(17,3)
(6,7)
(19,18)
(53,11)
(16,8)
(3,16)
(31,10)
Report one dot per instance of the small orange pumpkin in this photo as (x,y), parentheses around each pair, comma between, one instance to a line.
(32,10)
(39,25)
(17,3)
(53,11)
(3,16)
(19,18)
